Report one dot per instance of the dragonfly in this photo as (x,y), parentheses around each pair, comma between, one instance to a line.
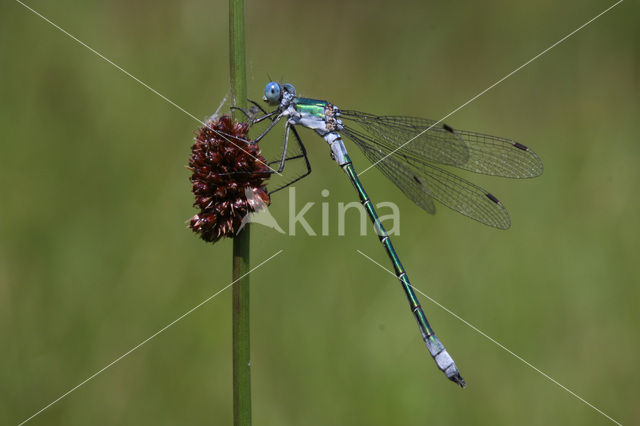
(414,153)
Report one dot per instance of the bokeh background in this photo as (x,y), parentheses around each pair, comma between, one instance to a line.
(95,255)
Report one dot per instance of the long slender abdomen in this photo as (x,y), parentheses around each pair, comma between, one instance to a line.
(437,350)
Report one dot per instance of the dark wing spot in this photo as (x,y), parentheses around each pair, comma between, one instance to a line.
(492,198)
(520,146)
(417,180)
(447,128)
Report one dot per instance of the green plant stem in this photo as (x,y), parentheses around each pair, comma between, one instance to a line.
(241,243)
(241,347)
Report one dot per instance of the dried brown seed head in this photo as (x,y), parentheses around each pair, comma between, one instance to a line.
(225,165)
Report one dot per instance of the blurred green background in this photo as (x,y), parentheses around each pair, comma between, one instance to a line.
(95,255)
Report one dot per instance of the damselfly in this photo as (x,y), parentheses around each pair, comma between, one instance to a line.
(410,152)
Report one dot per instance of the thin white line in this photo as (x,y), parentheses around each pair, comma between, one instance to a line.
(501,345)
(140,81)
(494,84)
(147,339)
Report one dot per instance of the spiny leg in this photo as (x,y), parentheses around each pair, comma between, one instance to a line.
(269,115)
(258,106)
(270,172)
(295,157)
(284,149)
(306,160)
(284,157)
(268,129)
(253,121)
(304,152)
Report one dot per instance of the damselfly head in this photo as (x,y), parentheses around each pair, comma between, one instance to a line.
(274,92)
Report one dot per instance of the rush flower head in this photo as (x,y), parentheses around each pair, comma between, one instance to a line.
(225,169)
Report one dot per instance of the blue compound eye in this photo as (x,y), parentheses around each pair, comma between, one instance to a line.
(272,93)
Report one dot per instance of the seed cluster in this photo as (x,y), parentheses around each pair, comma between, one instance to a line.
(228,178)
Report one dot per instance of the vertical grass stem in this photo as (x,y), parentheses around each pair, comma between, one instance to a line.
(241,243)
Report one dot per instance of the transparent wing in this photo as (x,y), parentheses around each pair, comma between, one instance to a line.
(421,138)
(423,182)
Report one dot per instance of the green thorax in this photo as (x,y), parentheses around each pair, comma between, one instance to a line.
(311,106)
